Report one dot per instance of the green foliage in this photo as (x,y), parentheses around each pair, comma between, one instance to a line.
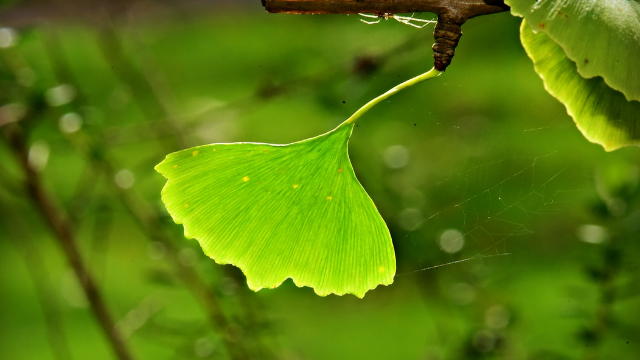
(601,37)
(602,114)
(294,211)
(493,146)
(587,54)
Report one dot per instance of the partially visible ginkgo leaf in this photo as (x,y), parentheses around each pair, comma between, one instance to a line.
(601,37)
(602,114)
(282,211)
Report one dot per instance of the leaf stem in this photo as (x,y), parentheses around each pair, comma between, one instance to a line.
(418,79)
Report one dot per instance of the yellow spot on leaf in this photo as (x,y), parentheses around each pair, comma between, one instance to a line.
(340,170)
(214,149)
(175,166)
(295,186)
(245,179)
(195,153)
(381,269)
(186,205)
(329,198)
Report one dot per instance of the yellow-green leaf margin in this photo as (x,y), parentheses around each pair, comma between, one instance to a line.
(602,114)
(601,37)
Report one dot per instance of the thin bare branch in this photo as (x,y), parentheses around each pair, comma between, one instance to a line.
(39,274)
(147,219)
(57,220)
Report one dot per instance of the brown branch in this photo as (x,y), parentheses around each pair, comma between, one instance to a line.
(464,8)
(39,273)
(147,219)
(57,220)
(150,223)
(451,15)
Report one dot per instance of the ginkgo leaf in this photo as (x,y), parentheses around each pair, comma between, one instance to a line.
(282,211)
(602,114)
(285,211)
(601,37)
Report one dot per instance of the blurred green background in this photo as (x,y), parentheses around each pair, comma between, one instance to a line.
(102,91)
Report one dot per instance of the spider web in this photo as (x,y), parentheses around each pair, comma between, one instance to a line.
(493,204)
(488,231)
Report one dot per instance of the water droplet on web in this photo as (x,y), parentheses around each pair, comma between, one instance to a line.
(497,317)
(38,155)
(8,37)
(462,293)
(60,95)
(410,219)
(617,206)
(203,347)
(592,234)
(396,156)
(125,179)
(70,123)
(451,241)
(12,113)
(187,257)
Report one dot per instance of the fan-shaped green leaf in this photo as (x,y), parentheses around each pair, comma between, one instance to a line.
(602,114)
(282,211)
(601,37)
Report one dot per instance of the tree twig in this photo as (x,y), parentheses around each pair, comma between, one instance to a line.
(466,8)
(39,274)
(451,15)
(147,219)
(57,220)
